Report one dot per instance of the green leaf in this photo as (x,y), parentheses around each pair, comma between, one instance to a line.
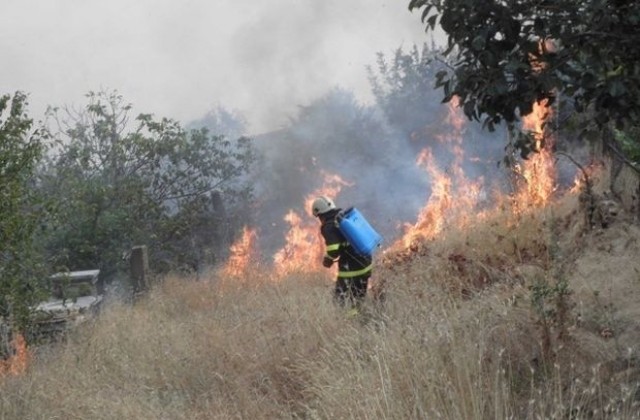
(416,4)
(538,25)
(594,56)
(425,12)
(470,110)
(616,88)
(478,43)
(431,22)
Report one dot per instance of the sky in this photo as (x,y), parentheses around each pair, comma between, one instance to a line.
(183,59)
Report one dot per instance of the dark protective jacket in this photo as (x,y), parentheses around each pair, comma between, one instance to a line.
(350,263)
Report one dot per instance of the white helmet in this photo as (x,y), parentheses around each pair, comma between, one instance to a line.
(322,205)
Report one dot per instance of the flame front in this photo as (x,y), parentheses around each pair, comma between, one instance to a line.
(431,219)
(304,247)
(538,173)
(18,362)
(454,198)
(442,208)
(455,201)
(243,253)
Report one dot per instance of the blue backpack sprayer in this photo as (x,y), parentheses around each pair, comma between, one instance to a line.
(358,232)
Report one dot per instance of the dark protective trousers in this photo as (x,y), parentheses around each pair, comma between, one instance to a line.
(351,290)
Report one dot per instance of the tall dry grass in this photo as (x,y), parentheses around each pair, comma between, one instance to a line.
(261,350)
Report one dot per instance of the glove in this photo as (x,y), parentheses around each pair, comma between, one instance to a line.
(327,262)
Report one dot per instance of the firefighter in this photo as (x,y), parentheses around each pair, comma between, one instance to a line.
(354,269)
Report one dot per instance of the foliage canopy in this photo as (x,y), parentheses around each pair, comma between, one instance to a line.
(508,54)
(21,211)
(125,182)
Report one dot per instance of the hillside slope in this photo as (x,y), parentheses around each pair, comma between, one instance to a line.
(522,316)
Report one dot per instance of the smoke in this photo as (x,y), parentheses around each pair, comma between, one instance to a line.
(180,59)
(373,148)
(338,135)
(290,49)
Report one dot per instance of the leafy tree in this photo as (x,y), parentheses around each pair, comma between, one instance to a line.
(21,265)
(402,86)
(221,121)
(121,183)
(628,141)
(508,54)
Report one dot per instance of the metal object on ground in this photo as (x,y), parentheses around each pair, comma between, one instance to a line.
(75,298)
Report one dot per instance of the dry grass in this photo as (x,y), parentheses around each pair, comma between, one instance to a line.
(456,338)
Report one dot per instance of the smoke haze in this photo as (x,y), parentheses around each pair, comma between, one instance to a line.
(375,160)
(182,59)
(295,69)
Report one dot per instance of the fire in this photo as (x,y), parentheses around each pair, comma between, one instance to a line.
(455,200)
(455,118)
(538,173)
(586,175)
(431,218)
(302,249)
(243,253)
(453,196)
(304,246)
(18,362)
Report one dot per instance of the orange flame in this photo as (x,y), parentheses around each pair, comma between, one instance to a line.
(592,172)
(454,200)
(242,254)
(442,208)
(17,363)
(304,246)
(431,218)
(538,173)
